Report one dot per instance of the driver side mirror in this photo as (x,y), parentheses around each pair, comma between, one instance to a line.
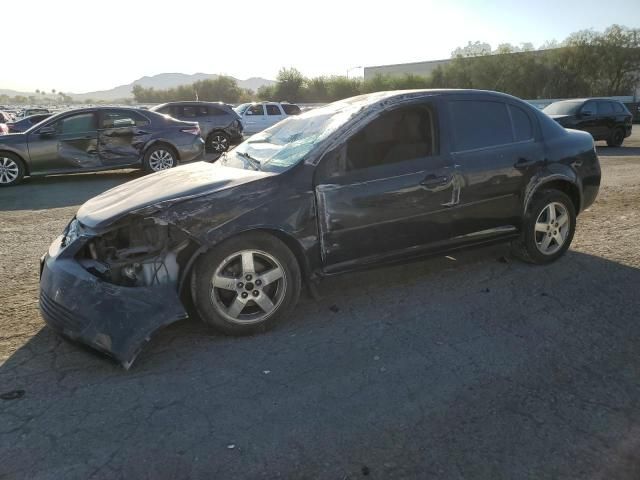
(47,131)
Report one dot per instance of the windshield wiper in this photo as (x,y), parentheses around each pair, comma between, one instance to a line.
(254,162)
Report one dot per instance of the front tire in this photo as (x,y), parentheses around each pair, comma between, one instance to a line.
(159,157)
(246,284)
(616,138)
(547,228)
(218,142)
(12,169)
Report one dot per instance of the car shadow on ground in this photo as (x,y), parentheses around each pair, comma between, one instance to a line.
(494,367)
(623,151)
(55,191)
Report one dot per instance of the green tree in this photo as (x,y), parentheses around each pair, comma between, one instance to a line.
(290,85)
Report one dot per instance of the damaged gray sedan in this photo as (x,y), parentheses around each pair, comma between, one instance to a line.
(369,180)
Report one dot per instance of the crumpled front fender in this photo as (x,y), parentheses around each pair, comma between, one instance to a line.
(113,319)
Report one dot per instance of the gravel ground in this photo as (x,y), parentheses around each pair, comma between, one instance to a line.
(473,366)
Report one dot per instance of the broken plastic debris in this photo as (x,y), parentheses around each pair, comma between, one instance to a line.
(231,446)
(266,372)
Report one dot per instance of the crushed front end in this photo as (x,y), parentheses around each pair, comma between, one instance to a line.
(112,289)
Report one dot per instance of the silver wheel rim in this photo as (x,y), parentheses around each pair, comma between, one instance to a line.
(552,228)
(160,160)
(9,170)
(219,143)
(248,287)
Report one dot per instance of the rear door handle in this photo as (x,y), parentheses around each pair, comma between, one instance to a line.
(433,181)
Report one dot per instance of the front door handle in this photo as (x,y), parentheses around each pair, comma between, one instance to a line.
(434,181)
(92,152)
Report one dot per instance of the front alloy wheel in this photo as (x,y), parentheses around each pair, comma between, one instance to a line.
(246,284)
(218,142)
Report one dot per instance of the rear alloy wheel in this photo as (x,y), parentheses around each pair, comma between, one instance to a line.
(552,228)
(11,170)
(616,139)
(159,158)
(245,284)
(218,142)
(547,228)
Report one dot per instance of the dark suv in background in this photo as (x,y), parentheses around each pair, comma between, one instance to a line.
(604,119)
(220,126)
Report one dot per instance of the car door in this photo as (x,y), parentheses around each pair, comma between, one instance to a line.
(254,119)
(70,143)
(495,147)
(385,190)
(122,135)
(606,119)
(588,119)
(274,114)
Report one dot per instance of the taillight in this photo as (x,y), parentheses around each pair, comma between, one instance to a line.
(192,130)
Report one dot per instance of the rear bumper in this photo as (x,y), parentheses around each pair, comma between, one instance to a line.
(113,319)
(191,152)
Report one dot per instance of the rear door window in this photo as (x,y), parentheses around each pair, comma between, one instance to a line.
(479,124)
(273,110)
(187,111)
(216,112)
(522,127)
(122,119)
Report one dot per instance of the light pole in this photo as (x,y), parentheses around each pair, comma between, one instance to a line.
(352,68)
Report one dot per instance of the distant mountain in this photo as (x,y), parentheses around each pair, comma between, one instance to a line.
(159,82)
(163,81)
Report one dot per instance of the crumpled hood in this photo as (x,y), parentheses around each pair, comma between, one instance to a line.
(187,181)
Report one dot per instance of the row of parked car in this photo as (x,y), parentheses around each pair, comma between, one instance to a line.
(105,138)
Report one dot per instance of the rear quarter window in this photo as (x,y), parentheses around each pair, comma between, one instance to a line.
(479,124)
(522,127)
(290,109)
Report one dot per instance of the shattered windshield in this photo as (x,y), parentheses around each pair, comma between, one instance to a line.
(286,143)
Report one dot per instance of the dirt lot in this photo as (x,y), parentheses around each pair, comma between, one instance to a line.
(469,367)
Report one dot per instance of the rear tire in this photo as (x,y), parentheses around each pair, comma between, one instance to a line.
(246,284)
(547,228)
(12,169)
(616,138)
(159,157)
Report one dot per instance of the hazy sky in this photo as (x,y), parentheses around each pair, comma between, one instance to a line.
(85,45)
